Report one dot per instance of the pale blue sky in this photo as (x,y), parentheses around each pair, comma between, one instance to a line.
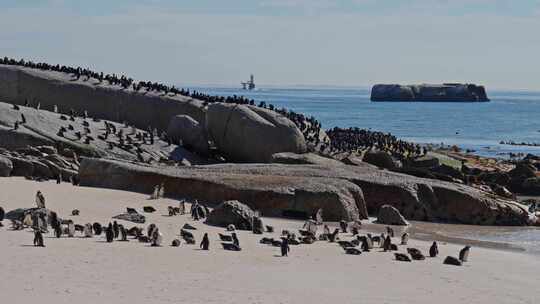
(284,42)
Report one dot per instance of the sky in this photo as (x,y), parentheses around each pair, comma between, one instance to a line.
(284,42)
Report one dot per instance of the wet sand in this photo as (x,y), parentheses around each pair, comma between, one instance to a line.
(80,270)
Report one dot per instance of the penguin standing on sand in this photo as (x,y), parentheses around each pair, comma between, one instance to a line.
(116,230)
(71,229)
(123,233)
(156,238)
(205,243)
(343,226)
(390,231)
(88,230)
(235,239)
(285,247)
(404,238)
(464,253)
(433,250)
(109,233)
(387,243)
(38,238)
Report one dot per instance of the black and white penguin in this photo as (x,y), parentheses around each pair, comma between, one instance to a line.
(433,250)
(109,233)
(38,238)
(464,253)
(404,238)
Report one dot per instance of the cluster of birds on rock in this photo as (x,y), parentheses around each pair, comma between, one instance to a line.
(355,139)
(309,126)
(78,129)
(340,139)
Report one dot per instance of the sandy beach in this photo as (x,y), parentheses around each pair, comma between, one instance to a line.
(81,270)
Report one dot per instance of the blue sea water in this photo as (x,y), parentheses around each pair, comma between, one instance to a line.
(511,115)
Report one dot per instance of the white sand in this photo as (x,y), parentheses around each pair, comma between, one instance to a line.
(80,270)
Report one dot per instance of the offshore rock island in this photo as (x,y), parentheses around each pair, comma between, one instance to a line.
(447,92)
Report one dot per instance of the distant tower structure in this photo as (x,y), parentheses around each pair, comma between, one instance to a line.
(249,85)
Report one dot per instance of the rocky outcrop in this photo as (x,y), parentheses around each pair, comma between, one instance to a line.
(522,178)
(426,92)
(270,193)
(389,215)
(251,134)
(275,188)
(231,212)
(303,159)
(6,166)
(380,159)
(186,130)
(22,167)
(101,100)
(35,162)
(42,129)
(423,162)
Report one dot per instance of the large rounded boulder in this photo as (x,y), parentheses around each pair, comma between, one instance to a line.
(250,134)
(183,128)
(6,166)
(388,215)
(231,212)
(22,167)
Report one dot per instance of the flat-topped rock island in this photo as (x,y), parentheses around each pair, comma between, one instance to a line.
(447,92)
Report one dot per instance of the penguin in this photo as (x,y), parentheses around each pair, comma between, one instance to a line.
(433,250)
(109,233)
(333,236)
(205,243)
(150,230)
(71,229)
(235,240)
(97,228)
(116,230)
(156,238)
(365,244)
(123,233)
(88,230)
(285,247)
(390,231)
(402,257)
(38,238)
(387,244)
(464,253)
(404,238)
(172,211)
(416,254)
(382,240)
(57,231)
(369,240)
(343,226)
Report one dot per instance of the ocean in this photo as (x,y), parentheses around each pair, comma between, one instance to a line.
(509,116)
